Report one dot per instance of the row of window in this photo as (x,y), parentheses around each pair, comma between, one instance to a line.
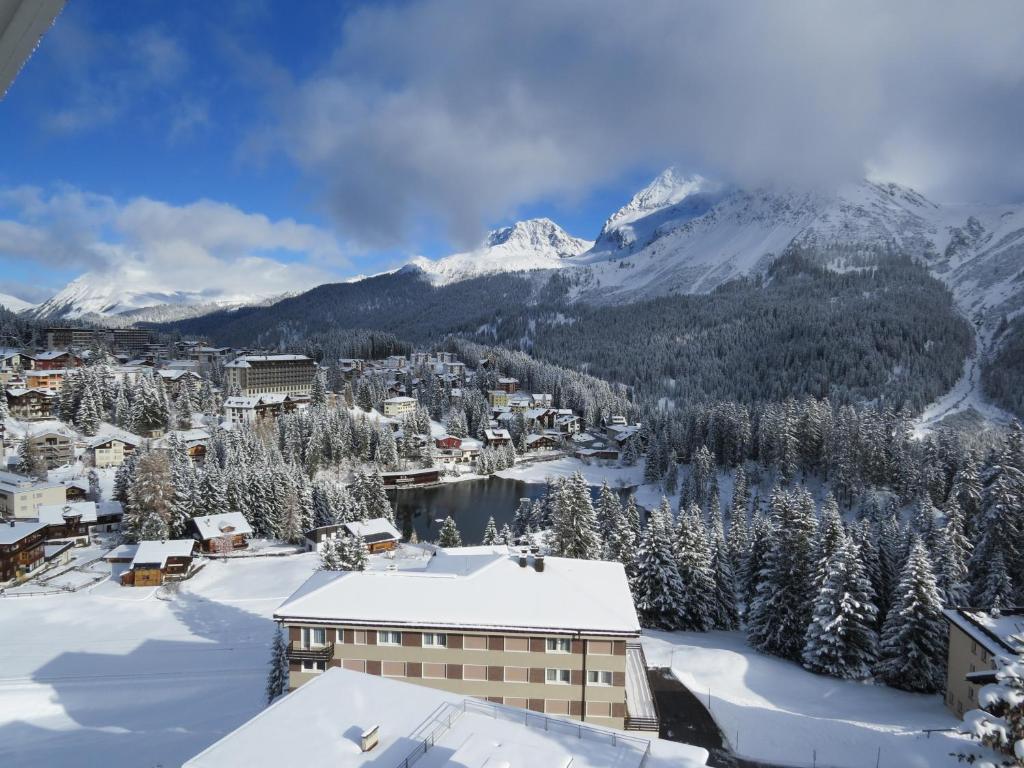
(313,637)
(471,672)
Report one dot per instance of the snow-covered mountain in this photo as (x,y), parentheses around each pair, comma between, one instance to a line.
(13,303)
(97,296)
(526,245)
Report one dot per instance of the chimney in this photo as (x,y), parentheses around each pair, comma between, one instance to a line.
(522,558)
(12,525)
(538,563)
(369,738)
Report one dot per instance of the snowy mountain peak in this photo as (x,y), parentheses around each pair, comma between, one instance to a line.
(669,188)
(523,246)
(541,235)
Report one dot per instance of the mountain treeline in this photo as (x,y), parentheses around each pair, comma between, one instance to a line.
(1002,377)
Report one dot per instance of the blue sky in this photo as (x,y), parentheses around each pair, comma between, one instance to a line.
(202,145)
(165,101)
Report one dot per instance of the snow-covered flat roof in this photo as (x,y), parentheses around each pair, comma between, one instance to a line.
(400,399)
(224,524)
(10,481)
(157,552)
(321,724)
(122,552)
(54,514)
(246,360)
(474,587)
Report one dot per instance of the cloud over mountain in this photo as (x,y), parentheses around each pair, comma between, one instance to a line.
(464,112)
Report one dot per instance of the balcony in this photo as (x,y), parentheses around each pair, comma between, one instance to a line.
(314,653)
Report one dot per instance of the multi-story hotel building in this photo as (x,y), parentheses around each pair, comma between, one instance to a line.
(270,374)
(976,639)
(552,635)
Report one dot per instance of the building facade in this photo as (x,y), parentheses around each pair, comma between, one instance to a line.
(21,496)
(515,643)
(21,549)
(976,638)
(270,374)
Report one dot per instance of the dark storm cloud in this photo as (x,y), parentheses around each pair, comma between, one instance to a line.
(467,110)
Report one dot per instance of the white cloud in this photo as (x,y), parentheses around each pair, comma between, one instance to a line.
(149,246)
(466,111)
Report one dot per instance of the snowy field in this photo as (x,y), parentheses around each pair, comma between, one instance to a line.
(118,676)
(774,710)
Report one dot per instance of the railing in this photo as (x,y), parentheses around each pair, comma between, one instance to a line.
(443,722)
(634,723)
(316,653)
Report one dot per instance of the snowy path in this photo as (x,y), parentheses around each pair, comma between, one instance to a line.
(964,395)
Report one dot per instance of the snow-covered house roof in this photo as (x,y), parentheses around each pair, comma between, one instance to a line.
(55,514)
(375,530)
(189,437)
(325,719)
(497,434)
(10,481)
(122,552)
(400,399)
(225,524)
(156,553)
(99,440)
(173,374)
(52,354)
(998,634)
(567,596)
(14,531)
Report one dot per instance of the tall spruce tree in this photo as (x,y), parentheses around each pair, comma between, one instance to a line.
(912,653)
(841,639)
(574,523)
(449,535)
(277,675)
(657,587)
(781,609)
(697,610)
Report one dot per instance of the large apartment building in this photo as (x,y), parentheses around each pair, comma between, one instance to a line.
(270,374)
(21,496)
(126,339)
(552,635)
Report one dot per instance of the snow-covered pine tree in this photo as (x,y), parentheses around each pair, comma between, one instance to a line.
(781,610)
(999,532)
(657,587)
(375,498)
(277,675)
(697,610)
(608,510)
(738,543)
(726,614)
(94,493)
(490,531)
(653,470)
(353,554)
(505,536)
(831,535)
(912,652)
(87,418)
(954,551)
(147,514)
(521,519)
(330,560)
(740,502)
(760,542)
(30,460)
(318,390)
(574,523)
(632,513)
(449,535)
(841,639)
(671,483)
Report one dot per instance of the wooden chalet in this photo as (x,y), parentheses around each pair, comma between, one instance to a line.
(225,532)
(158,561)
(21,549)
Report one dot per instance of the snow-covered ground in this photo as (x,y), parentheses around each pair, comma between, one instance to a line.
(119,676)
(965,395)
(774,710)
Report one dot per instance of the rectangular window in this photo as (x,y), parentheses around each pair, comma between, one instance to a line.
(385,637)
(474,672)
(432,670)
(560,676)
(600,647)
(517,674)
(313,666)
(314,637)
(517,644)
(474,642)
(392,668)
(435,640)
(599,709)
(599,677)
(558,645)
(359,637)
(556,706)
(340,636)
(970,693)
